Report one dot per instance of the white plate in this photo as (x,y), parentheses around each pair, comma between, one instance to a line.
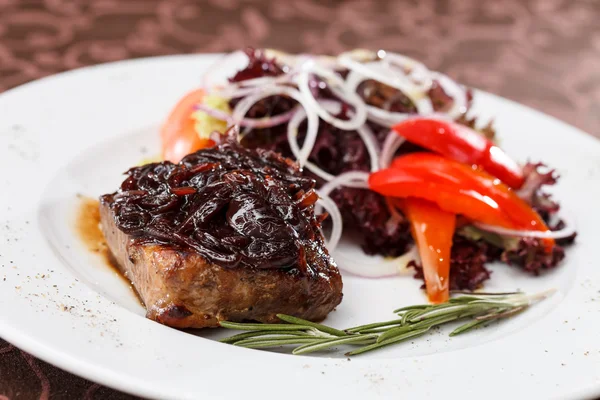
(77,132)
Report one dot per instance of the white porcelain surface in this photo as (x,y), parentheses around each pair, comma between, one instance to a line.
(76,133)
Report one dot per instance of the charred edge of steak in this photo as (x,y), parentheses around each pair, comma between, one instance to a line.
(236,207)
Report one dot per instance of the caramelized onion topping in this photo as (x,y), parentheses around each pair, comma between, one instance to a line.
(236,207)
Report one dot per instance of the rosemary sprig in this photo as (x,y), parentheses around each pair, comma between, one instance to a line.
(300,321)
(480,308)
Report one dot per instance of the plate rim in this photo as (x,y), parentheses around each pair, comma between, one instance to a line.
(108,378)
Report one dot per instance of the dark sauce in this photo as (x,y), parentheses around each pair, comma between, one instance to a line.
(87,225)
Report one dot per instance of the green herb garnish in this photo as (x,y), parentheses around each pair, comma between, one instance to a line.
(413,321)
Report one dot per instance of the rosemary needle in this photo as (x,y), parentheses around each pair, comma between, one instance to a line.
(255,344)
(320,327)
(413,321)
(327,344)
(501,314)
(397,339)
(437,312)
(469,325)
(362,328)
(262,327)
(247,335)
(407,308)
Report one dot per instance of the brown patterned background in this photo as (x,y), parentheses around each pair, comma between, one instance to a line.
(543,53)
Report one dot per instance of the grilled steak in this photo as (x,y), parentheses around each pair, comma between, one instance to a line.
(226,234)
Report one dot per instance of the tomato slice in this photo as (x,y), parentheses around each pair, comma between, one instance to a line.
(185,142)
(178,134)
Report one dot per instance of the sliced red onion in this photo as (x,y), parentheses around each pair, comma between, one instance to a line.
(365,68)
(331,106)
(372,267)
(297,60)
(454,90)
(246,103)
(451,87)
(234,61)
(234,92)
(416,70)
(264,80)
(372,145)
(398,79)
(336,84)
(251,86)
(392,143)
(269,121)
(336,221)
(567,231)
(378,115)
(290,60)
(215,113)
(248,122)
(292,136)
(364,132)
(386,118)
(417,93)
(313,125)
(353,80)
(353,179)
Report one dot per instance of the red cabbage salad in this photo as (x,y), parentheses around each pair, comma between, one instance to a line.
(400,162)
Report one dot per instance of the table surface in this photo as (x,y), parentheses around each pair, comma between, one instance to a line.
(542,53)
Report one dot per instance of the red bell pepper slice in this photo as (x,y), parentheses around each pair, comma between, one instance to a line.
(448,197)
(432,230)
(462,144)
(443,170)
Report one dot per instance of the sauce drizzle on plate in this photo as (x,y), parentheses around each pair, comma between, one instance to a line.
(87,226)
